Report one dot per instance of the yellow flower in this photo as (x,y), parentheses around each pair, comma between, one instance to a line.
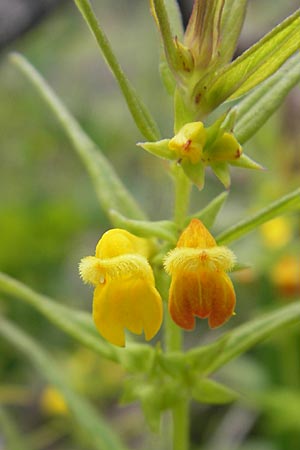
(125,294)
(277,232)
(200,286)
(52,402)
(189,141)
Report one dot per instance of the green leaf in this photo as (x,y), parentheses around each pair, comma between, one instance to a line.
(77,324)
(209,391)
(282,408)
(137,358)
(290,202)
(176,29)
(246,162)
(139,112)
(161,17)
(234,343)
(97,434)
(162,229)
(195,172)
(110,190)
(166,76)
(254,65)
(159,148)
(208,214)
(233,15)
(13,437)
(221,170)
(255,109)
(174,14)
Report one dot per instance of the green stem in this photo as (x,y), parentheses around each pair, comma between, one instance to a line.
(182,196)
(181,425)
(180,412)
(139,112)
(173,334)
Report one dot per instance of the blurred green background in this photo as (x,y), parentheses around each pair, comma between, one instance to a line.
(50,218)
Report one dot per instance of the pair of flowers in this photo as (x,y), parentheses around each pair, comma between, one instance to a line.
(125,295)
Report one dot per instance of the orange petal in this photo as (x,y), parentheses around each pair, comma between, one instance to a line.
(205,300)
(223,300)
(179,302)
(196,235)
(203,294)
(133,304)
(187,301)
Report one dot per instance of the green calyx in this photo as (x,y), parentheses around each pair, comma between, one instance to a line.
(194,147)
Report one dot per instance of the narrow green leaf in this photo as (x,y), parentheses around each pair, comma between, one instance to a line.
(166,76)
(110,190)
(77,324)
(241,339)
(195,172)
(231,24)
(97,433)
(13,438)
(159,148)
(221,170)
(254,65)
(163,229)
(290,202)
(246,162)
(255,109)
(161,17)
(174,14)
(208,214)
(139,112)
(212,392)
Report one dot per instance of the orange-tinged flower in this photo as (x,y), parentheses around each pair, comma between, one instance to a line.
(125,294)
(286,275)
(200,285)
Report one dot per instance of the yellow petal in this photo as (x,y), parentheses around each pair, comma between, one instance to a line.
(277,232)
(96,271)
(118,242)
(186,259)
(226,148)
(189,141)
(133,304)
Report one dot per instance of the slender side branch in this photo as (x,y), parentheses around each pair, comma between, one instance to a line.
(139,112)
(110,190)
(165,30)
